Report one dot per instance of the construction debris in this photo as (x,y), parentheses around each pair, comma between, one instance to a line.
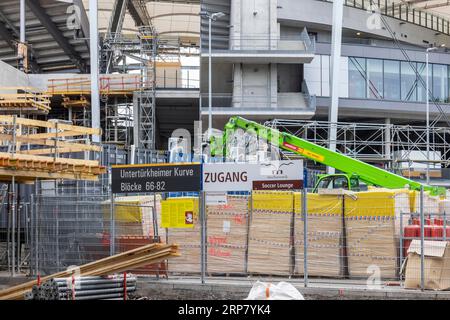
(142,256)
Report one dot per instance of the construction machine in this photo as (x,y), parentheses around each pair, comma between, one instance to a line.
(355,175)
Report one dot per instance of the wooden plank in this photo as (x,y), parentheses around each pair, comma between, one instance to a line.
(53,150)
(50,143)
(51,125)
(6,174)
(16,156)
(57,135)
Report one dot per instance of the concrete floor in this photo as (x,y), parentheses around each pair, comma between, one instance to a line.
(227,288)
(238,288)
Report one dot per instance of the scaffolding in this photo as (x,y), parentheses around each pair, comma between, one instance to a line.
(144,100)
(396,147)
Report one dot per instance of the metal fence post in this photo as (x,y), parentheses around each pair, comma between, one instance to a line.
(305,236)
(112,226)
(203,236)
(13,227)
(247,238)
(32,243)
(422,228)
(401,247)
(155,219)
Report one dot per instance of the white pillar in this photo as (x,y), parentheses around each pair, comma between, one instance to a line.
(95,93)
(336,39)
(209,79)
(427,111)
(387,142)
(273,72)
(237,85)
(22,21)
(235,21)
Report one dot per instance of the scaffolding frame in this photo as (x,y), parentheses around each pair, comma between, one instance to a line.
(389,144)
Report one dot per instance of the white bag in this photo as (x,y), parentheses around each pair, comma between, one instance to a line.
(269,291)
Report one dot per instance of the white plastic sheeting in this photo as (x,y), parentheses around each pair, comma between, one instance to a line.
(269,291)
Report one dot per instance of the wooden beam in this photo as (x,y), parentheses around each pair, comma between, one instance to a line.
(51,125)
(16,156)
(50,135)
(6,174)
(52,150)
(51,143)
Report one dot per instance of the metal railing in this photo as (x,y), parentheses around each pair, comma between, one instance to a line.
(403,12)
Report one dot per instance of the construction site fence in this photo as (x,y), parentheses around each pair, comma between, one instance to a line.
(374,237)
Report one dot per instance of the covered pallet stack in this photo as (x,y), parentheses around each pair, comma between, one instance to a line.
(430,203)
(372,224)
(134,216)
(324,235)
(186,236)
(270,247)
(227,233)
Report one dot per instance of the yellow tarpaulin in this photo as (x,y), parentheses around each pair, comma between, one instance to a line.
(273,201)
(371,204)
(130,209)
(319,204)
(179,212)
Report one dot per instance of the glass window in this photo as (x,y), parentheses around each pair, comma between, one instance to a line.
(357,77)
(375,78)
(440,82)
(392,80)
(421,93)
(409,82)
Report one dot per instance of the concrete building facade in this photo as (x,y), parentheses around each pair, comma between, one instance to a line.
(271,59)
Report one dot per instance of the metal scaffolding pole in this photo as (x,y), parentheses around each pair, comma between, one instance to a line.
(22,21)
(336,39)
(95,93)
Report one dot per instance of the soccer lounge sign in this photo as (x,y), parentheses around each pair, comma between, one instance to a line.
(273,175)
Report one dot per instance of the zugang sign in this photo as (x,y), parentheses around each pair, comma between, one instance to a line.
(276,175)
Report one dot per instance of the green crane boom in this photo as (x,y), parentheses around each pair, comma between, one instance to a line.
(365,172)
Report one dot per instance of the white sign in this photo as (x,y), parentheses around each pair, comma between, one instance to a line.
(284,174)
(216,198)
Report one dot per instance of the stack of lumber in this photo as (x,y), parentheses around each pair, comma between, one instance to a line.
(187,238)
(24,100)
(372,222)
(134,216)
(125,261)
(324,235)
(227,235)
(270,246)
(38,155)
